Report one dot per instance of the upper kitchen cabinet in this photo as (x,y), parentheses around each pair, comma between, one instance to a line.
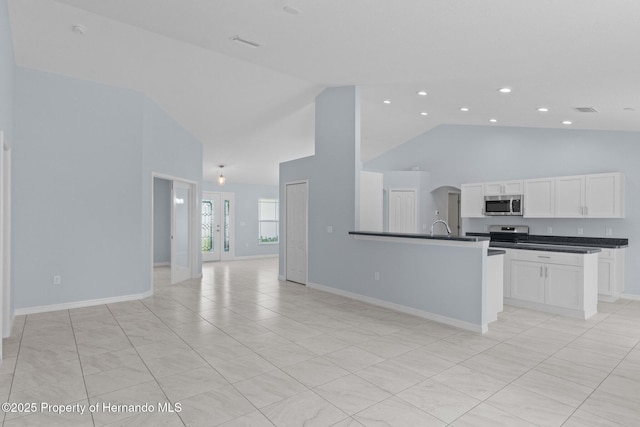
(539,200)
(472,200)
(570,196)
(590,196)
(604,195)
(503,187)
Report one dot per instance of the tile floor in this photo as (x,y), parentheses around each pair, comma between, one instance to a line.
(240,348)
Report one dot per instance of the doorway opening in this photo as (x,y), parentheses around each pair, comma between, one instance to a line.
(175,226)
(453,213)
(296,230)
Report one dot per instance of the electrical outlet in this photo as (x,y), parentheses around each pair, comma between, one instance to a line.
(57,280)
(580,231)
(376,276)
(549,230)
(329,229)
(608,231)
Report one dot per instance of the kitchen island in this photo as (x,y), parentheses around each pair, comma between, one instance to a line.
(439,277)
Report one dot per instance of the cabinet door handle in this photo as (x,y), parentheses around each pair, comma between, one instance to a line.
(541,271)
(586,211)
(546,271)
(542,256)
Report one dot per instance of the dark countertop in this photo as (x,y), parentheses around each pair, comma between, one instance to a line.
(572,249)
(420,236)
(492,252)
(594,242)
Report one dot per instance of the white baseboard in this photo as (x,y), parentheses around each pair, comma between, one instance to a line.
(81,304)
(632,297)
(403,309)
(578,314)
(256,256)
(162,264)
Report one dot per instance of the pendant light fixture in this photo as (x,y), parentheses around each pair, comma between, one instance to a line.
(221,178)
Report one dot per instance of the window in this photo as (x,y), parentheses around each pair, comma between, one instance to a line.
(207,226)
(268,218)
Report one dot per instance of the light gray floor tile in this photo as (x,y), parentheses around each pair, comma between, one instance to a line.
(485,415)
(239,339)
(438,400)
(535,408)
(304,409)
(395,412)
(351,393)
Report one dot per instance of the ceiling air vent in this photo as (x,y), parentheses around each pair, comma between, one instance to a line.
(585,109)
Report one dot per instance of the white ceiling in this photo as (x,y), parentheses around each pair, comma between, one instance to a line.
(253,108)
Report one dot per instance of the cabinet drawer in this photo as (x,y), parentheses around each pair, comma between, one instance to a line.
(548,257)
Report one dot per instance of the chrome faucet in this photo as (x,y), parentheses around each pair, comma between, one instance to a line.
(443,222)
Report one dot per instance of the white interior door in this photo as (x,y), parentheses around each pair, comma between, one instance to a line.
(212,222)
(180,231)
(402,211)
(296,232)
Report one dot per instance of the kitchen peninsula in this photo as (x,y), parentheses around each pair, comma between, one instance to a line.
(425,277)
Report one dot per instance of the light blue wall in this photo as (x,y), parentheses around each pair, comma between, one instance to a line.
(423,277)
(77,196)
(83,157)
(7,67)
(169,150)
(161,221)
(7,71)
(460,154)
(246,216)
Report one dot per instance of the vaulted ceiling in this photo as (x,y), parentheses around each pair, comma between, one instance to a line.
(252,107)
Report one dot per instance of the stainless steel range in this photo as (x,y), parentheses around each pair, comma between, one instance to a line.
(509,233)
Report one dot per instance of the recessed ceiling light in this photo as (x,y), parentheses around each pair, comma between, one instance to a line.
(424,113)
(493,120)
(567,122)
(422,93)
(504,90)
(245,42)
(543,109)
(386,101)
(464,109)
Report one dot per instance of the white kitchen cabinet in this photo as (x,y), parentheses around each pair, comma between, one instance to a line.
(472,200)
(563,285)
(569,196)
(527,281)
(610,274)
(503,188)
(539,198)
(555,282)
(506,278)
(604,195)
(590,196)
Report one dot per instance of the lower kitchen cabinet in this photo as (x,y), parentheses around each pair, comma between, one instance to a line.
(555,282)
(527,281)
(610,274)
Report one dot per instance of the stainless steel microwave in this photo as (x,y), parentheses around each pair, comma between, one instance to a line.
(503,205)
